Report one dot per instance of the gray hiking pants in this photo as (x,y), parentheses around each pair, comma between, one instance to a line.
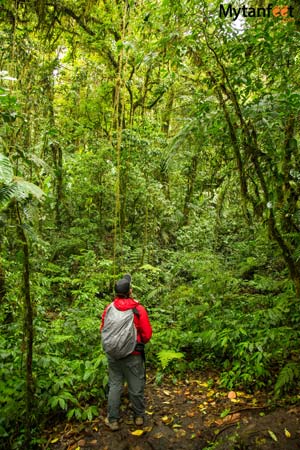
(130,369)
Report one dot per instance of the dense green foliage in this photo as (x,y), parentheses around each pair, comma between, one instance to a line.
(152,138)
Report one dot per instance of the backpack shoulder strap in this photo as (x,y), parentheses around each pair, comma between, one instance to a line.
(136,312)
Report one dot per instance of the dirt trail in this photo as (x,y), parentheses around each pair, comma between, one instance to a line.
(190,415)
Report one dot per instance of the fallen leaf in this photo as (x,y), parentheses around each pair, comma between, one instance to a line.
(231,418)
(231,395)
(287,433)
(54,440)
(137,432)
(167,420)
(273,435)
(176,425)
(180,433)
(167,392)
(293,410)
(158,435)
(243,394)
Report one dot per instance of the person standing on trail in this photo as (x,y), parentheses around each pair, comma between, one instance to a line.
(127,339)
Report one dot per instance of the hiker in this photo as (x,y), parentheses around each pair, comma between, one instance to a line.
(130,368)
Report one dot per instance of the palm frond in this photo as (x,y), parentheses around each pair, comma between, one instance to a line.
(7,191)
(6,171)
(24,188)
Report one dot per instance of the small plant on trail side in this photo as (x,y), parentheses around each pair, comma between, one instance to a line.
(167,356)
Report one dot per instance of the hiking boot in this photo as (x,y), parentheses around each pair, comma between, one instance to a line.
(113,425)
(139,421)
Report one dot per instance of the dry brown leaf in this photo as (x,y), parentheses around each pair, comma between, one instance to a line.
(180,433)
(158,435)
(293,410)
(231,418)
(231,395)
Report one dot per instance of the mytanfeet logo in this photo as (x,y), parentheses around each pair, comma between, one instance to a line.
(283,12)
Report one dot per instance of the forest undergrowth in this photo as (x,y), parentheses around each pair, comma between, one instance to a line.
(238,321)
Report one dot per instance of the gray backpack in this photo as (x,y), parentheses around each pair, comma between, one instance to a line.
(119,333)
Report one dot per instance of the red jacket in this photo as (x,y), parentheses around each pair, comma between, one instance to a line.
(142,323)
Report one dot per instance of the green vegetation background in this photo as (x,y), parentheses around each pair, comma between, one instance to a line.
(157,139)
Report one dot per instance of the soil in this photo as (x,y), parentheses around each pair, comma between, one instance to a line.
(191,414)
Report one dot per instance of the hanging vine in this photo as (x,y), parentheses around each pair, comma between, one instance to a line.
(118,125)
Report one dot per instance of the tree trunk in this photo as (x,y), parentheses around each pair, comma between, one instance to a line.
(28,331)
(190,189)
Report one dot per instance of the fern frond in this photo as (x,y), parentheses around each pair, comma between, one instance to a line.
(287,377)
(166,356)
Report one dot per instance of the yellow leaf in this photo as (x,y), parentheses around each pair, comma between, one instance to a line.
(147,429)
(54,440)
(137,432)
(287,433)
(273,435)
(176,425)
(165,419)
(167,392)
